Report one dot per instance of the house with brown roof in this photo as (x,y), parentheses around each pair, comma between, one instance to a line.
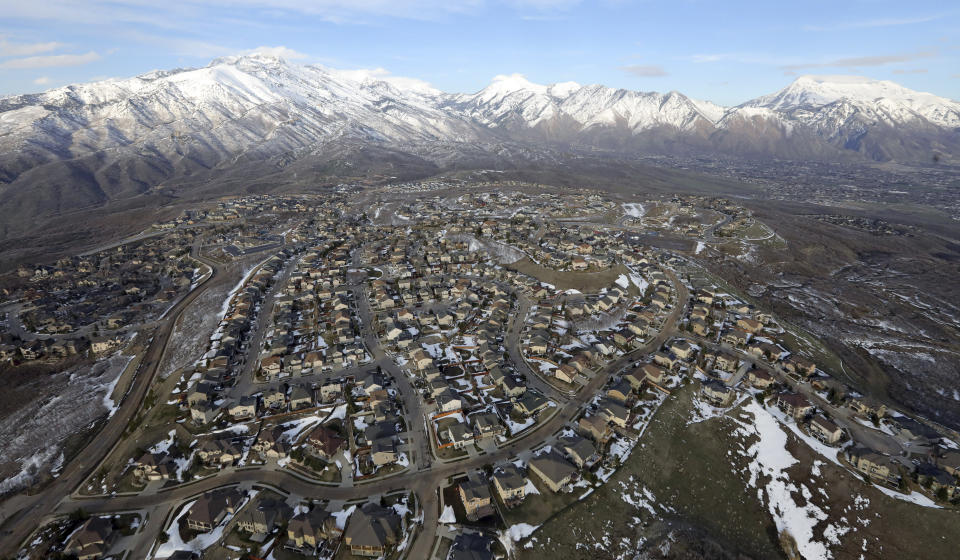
(597,428)
(211,508)
(794,404)
(308,530)
(372,530)
(92,540)
(876,465)
(825,430)
(323,442)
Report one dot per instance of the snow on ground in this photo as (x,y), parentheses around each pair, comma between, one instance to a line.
(447,516)
(191,334)
(770,458)
(634,209)
(700,247)
(530,488)
(164,445)
(914,498)
(516,427)
(66,403)
(295,428)
(342,516)
(202,541)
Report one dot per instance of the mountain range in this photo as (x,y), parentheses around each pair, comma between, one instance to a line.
(240,117)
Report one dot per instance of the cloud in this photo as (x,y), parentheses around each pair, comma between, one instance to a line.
(278,51)
(910,71)
(42,81)
(867,24)
(13,49)
(862,61)
(645,70)
(384,75)
(50,61)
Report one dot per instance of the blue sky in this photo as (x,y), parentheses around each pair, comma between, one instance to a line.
(724,51)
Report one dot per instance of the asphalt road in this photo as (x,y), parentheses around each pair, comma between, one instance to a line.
(423,483)
(57,497)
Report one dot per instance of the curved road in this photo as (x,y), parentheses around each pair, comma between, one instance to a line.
(32,509)
(57,497)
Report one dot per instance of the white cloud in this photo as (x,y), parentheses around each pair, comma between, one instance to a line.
(855,61)
(384,75)
(42,81)
(278,51)
(867,24)
(645,70)
(14,49)
(50,61)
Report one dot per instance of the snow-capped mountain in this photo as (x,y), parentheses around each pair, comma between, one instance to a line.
(512,100)
(878,119)
(251,116)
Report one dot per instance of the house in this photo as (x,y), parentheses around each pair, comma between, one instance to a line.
(866,406)
(509,484)
(92,540)
(203,413)
(300,397)
(530,403)
(794,404)
(307,530)
(749,325)
(372,529)
(470,546)
(651,373)
(682,349)
(330,391)
(383,451)
(875,465)
(475,496)
(664,359)
(486,424)
(264,518)
(420,359)
(936,478)
(512,388)
(614,412)
(271,444)
(274,399)
(324,443)
(553,470)
(580,451)
(449,401)
(217,452)
(760,379)
(825,430)
(717,393)
(565,373)
(597,428)
(459,435)
(736,337)
(726,362)
(211,508)
(243,409)
(800,365)
(620,391)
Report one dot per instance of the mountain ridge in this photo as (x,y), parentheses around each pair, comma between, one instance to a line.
(86,144)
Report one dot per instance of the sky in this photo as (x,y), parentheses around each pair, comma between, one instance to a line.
(723,51)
